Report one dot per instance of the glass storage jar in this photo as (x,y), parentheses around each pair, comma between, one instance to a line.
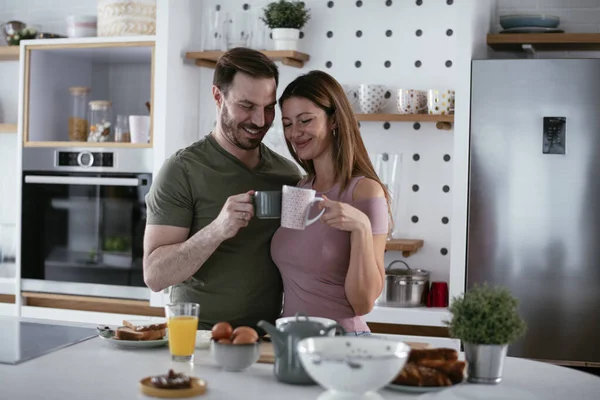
(100,121)
(78,123)
(122,129)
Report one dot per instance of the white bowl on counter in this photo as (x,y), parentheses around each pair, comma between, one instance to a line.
(352,365)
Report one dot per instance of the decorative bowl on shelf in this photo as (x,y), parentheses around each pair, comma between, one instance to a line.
(11,27)
(529,21)
(15,31)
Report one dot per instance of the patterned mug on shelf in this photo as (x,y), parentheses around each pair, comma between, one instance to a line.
(351,94)
(295,207)
(440,102)
(372,98)
(411,101)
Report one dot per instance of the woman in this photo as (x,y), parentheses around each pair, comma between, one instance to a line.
(333,268)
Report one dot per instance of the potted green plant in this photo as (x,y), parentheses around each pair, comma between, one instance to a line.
(486,320)
(285,18)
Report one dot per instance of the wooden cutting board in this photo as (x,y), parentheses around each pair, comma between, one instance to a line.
(267,353)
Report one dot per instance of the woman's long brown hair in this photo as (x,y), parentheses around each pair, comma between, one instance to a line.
(350,154)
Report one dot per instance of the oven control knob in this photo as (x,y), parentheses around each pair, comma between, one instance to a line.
(85,159)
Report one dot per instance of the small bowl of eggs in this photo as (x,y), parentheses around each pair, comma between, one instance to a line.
(234,349)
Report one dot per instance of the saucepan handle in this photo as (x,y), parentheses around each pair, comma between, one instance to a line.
(300,314)
(337,327)
(388,268)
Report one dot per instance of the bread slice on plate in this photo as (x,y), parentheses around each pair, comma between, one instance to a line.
(144,327)
(133,331)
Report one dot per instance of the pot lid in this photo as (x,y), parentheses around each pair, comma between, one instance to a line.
(408,273)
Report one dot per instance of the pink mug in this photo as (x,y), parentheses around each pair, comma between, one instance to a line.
(295,207)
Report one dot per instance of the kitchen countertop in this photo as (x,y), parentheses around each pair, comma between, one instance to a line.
(96,370)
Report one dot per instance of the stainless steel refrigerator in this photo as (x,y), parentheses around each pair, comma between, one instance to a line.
(534,199)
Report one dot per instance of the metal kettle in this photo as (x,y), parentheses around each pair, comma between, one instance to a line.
(288,367)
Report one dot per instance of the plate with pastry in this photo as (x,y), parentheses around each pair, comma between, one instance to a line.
(136,334)
(172,385)
(429,370)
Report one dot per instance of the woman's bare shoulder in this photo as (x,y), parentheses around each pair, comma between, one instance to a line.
(367,188)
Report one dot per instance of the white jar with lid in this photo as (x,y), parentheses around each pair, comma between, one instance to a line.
(81,25)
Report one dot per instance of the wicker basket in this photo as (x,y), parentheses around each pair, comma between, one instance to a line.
(126,17)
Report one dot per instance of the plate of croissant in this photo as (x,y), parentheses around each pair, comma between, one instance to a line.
(429,370)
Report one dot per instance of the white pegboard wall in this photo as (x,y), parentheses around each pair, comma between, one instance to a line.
(408,44)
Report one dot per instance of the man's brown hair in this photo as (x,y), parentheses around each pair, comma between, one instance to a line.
(240,59)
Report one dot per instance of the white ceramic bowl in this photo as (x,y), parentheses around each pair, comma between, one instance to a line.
(325,321)
(352,365)
(235,357)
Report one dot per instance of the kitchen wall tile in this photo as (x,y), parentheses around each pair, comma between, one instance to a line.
(578,16)
(517,4)
(544,4)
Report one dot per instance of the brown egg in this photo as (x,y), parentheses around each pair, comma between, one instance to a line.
(245,331)
(225,341)
(222,330)
(244,338)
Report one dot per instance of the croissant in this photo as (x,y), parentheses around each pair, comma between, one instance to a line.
(431,367)
(417,375)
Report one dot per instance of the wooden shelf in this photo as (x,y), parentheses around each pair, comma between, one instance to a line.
(9,53)
(287,57)
(544,41)
(408,247)
(88,303)
(8,128)
(443,122)
(88,144)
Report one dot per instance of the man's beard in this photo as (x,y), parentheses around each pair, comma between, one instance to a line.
(235,133)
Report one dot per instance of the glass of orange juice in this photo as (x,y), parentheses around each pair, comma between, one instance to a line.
(182,321)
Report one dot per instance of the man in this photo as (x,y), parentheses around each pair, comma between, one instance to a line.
(201,237)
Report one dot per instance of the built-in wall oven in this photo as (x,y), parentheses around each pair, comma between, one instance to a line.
(83,219)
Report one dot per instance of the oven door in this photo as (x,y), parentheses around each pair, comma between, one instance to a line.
(82,233)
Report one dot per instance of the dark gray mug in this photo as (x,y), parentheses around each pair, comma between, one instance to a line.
(267,204)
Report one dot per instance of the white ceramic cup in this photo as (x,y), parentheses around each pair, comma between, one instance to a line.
(295,207)
(411,101)
(440,102)
(139,127)
(372,98)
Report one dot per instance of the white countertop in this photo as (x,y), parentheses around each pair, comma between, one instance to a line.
(96,370)
(424,316)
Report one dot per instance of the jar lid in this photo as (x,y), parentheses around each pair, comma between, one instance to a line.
(79,90)
(99,104)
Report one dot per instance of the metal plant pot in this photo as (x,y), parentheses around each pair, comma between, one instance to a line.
(485,362)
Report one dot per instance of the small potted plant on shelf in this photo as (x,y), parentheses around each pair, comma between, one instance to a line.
(285,18)
(486,320)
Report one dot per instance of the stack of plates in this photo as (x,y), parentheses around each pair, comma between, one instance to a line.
(530,23)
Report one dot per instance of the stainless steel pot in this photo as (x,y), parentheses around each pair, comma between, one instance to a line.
(404,287)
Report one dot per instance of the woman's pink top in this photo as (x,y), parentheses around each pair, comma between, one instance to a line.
(313,262)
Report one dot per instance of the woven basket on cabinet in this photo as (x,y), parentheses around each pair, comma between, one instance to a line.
(126,17)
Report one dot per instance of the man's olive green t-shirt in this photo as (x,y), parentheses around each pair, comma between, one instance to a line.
(239,282)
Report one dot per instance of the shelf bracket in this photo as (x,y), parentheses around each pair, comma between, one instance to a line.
(206,63)
(445,126)
(529,49)
(292,62)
